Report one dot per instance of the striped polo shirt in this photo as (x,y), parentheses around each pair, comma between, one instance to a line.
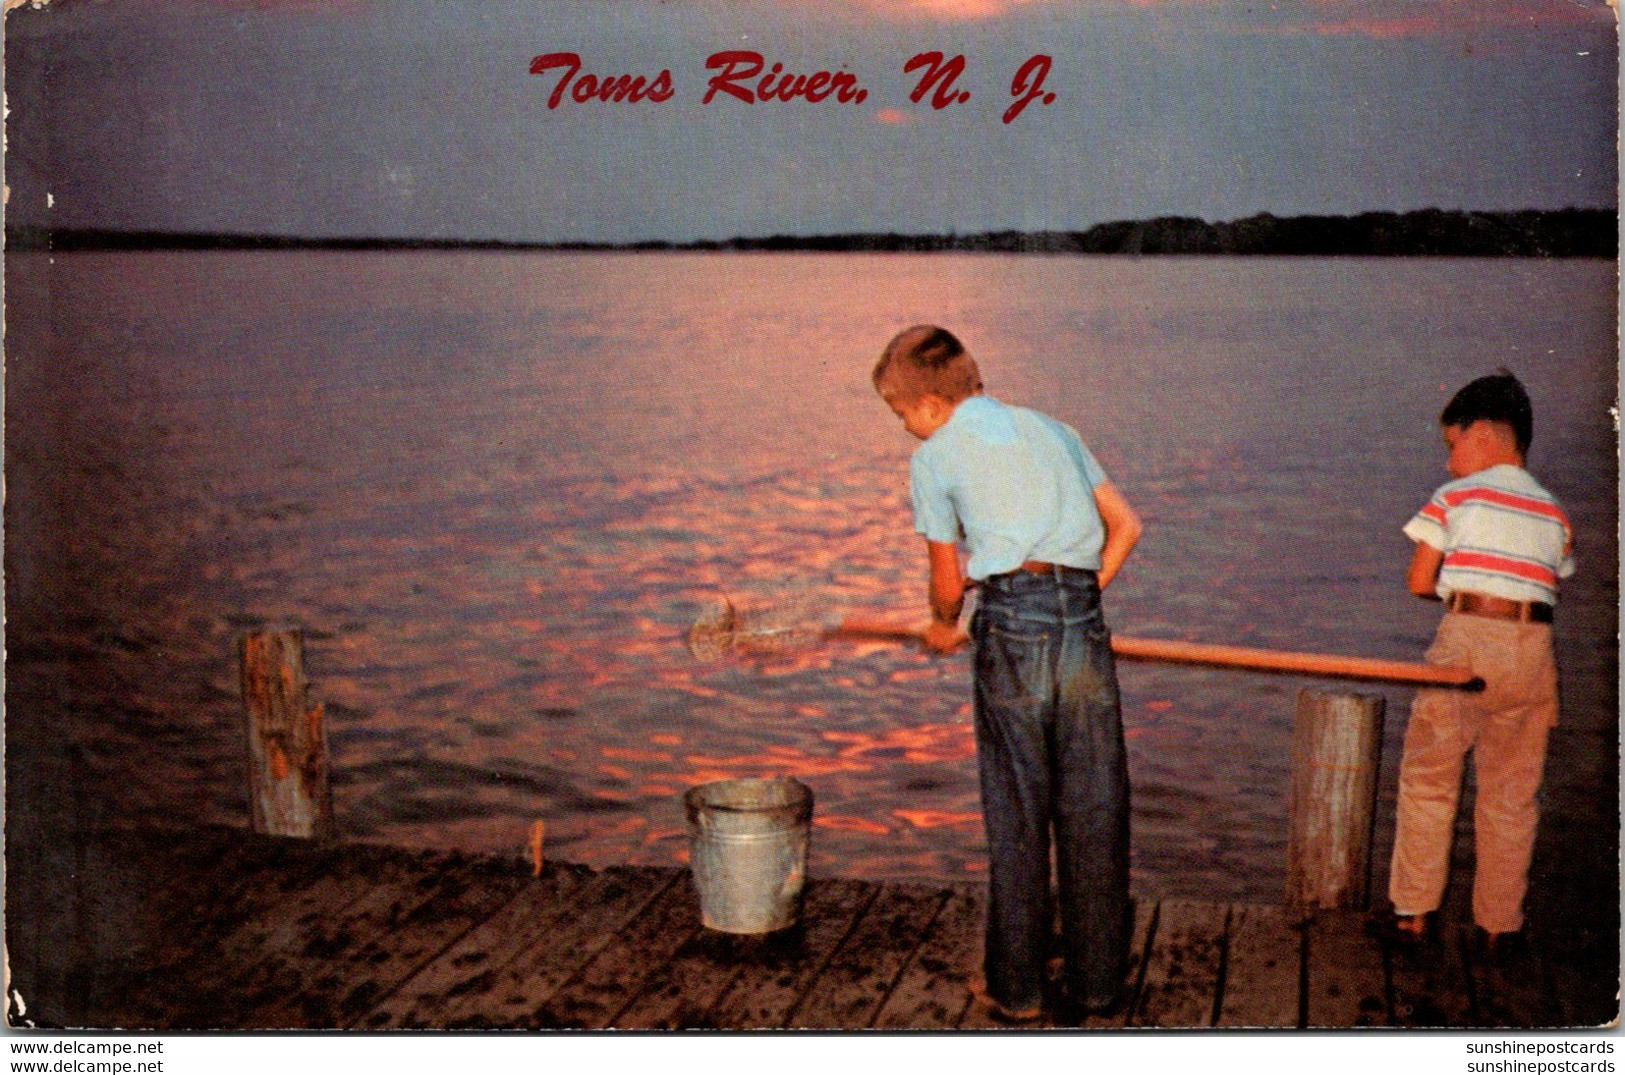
(1501,534)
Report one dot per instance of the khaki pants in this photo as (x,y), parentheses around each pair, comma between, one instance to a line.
(1505,727)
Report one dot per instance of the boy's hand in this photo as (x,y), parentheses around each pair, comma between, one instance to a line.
(945,638)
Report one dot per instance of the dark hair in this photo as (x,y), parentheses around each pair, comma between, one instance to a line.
(926,359)
(1496,398)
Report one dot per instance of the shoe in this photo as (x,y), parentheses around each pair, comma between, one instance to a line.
(1000,1013)
(1499,949)
(1107,1009)
(1406,931)
(1069,1012)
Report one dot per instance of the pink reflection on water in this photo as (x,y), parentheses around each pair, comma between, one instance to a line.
(498,605)
(628,754)
(932,819)
(779,761)
(928,743)
(849,823)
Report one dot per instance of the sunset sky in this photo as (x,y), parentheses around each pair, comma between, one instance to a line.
(420,118)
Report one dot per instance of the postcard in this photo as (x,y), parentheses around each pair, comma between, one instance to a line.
(950,516)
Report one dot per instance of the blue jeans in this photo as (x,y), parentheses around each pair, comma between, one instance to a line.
(1049,745)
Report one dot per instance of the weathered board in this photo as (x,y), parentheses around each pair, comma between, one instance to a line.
(430,996)
(678,995)
(1145,919)
(1429,982)
(249,919)
(1344,980)
(1181,985)
(513,995)
(238,931)
(932,989)
(307,982)
(1263,960)
(608,983)
(778,975)
(860,976)
(1515,992)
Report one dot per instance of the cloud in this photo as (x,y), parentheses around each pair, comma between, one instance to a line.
(301,8)
(938,10)
(1383,19)
(982,10)
(1433,18)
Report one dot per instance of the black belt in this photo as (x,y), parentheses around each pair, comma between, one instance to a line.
(1041,567)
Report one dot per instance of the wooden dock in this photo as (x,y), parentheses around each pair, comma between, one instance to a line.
(220,929)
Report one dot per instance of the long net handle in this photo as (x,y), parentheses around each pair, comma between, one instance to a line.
(860,627)
(1311,664)
(1258,660)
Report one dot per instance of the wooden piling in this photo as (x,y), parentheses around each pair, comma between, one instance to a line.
(287,743)
(1336,750)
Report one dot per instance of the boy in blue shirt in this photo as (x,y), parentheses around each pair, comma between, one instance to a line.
(1045,533)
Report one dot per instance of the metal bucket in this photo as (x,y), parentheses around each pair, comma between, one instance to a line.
(748,851)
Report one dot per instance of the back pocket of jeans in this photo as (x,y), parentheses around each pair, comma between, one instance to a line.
(1012,664)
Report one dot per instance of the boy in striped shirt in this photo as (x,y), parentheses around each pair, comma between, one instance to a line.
(1491,544)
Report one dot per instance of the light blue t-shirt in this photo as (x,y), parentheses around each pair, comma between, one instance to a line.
(1014,484)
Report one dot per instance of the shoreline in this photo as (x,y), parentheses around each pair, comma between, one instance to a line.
(1545,234)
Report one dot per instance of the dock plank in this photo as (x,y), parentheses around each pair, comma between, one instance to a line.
(1345,980)
(299,984)
(933,991)
(978,1017)
(133,962)
(511,995)
(427,997)
(235,931)
(678,995)
(608,983)
(1263,961)
(1520,993)
(776,977)
(860,976)
(259,918)
(249,878)
(1428,984)
(468,893)
(289,922)
(1585,975)
(1182,969)
(1145,918)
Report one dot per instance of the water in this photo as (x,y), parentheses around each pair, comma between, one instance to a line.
(496,489)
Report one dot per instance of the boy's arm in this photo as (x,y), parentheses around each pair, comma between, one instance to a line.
(1423,576)
(1122,530)
(947,597)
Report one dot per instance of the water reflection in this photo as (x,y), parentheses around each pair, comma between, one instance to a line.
(496,491)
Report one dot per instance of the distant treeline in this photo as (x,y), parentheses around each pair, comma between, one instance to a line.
(1563,233)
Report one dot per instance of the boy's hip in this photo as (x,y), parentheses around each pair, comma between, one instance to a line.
(1046,620)
(1515,659)
(1040,584)
(1491,607)
(1487,634)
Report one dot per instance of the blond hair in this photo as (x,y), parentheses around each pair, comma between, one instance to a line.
(926,360)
